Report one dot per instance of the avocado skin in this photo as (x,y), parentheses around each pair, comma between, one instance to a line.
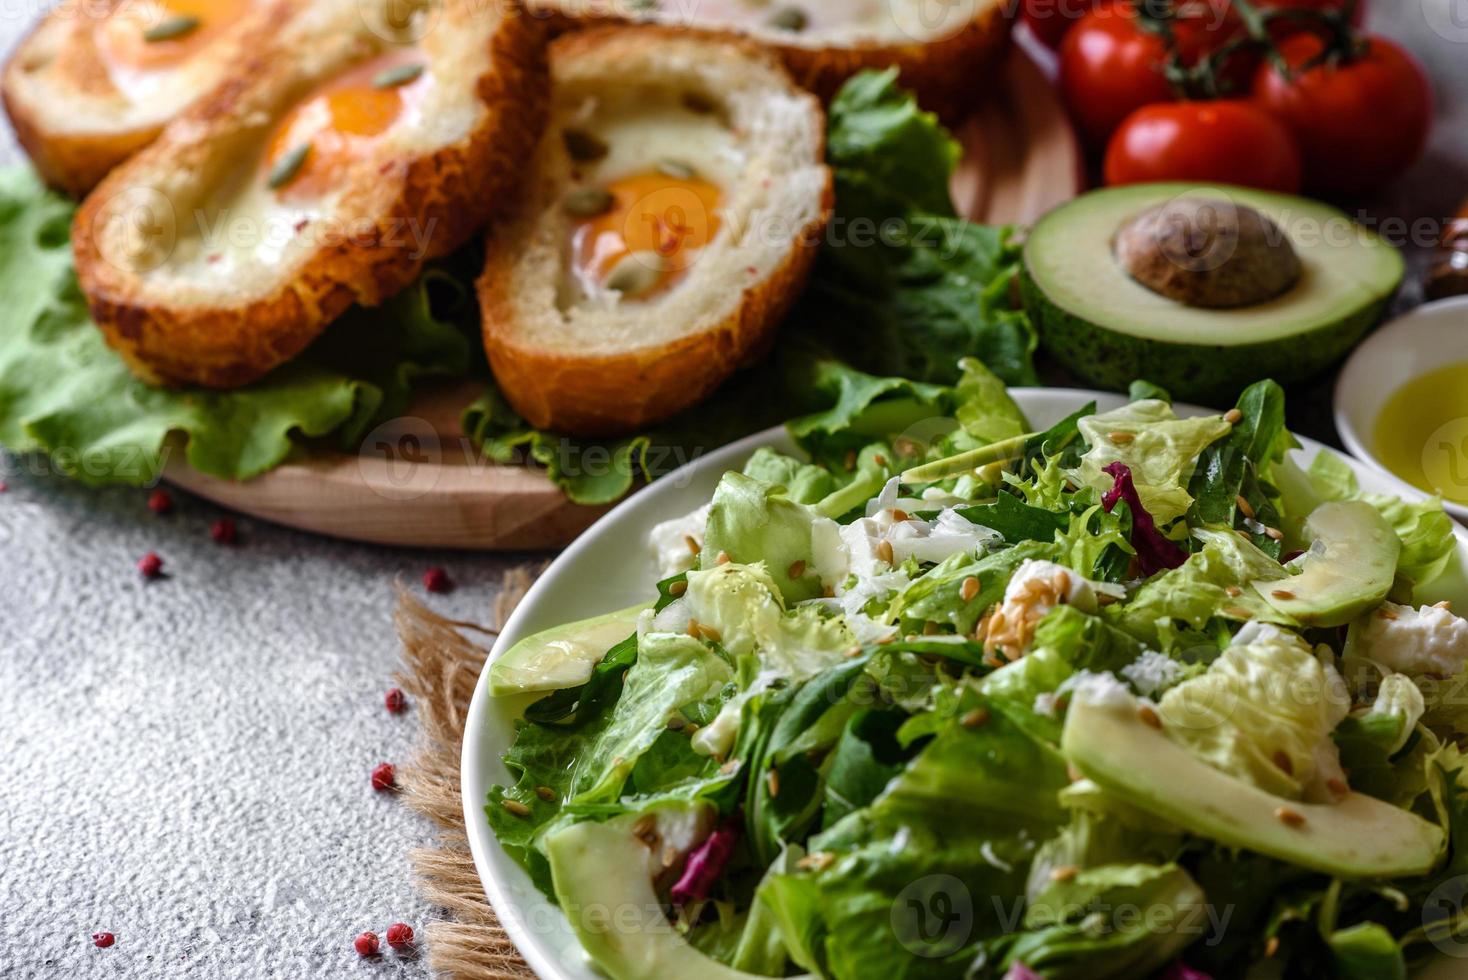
(1203,373)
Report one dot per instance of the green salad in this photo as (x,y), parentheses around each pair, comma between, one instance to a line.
(1137,695)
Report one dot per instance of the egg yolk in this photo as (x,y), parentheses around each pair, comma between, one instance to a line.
(332,127)
(650,234)
(161,34)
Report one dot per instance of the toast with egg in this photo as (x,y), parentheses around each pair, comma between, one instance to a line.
(339,158)
(95,82)
(679,196)
(945,52)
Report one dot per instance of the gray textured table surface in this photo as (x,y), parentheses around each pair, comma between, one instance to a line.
(185,763)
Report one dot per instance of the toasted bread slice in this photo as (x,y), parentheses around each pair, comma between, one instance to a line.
(679,195)
(95,82)
(338,159)
(946,51)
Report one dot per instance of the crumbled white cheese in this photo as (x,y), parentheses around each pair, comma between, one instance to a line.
(948,534)
(1430,640)
(668,542)
(1153,672)
(1102,690)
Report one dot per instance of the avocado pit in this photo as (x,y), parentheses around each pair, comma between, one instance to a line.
(1207,253)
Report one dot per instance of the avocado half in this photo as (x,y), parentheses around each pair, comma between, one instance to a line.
(1111,330)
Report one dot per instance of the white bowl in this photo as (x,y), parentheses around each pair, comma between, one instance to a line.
(1408,347)
(609,568)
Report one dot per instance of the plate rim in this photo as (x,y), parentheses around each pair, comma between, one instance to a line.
(482,842)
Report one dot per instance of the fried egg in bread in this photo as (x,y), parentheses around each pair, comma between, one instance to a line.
(679,195)
(944,50)
(345,153)
(95,82)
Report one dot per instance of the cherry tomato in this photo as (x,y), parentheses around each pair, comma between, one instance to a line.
(1110,65)
(1049,20)
(1358,124)
(1228,141)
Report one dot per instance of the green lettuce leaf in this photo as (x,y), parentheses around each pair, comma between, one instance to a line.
(955,830)
(1263,712)
(64,392)
(1074,929)
(1159,448)
(751,520)
(1171,611)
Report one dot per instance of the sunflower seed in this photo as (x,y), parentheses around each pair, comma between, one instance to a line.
(288,167)
(171,29)
(401,75)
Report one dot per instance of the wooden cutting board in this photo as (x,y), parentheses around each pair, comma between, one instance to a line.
(418,482)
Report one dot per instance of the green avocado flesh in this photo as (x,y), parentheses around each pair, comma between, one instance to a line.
(1358,837)
(1353,571)
(604,874)
(1111,330)
(561,657)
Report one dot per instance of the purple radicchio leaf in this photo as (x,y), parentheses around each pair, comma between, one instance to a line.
(706,864)
(1155,553)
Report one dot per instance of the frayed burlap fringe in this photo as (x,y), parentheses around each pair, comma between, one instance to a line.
(442,666)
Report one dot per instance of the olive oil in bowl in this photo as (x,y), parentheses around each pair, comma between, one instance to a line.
(1422,433)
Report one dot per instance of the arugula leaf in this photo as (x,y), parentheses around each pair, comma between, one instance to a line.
(1017,521)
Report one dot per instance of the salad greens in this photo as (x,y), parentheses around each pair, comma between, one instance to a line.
(966,699)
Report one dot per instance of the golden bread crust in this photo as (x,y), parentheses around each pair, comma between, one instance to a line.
(623,391)
(237,336)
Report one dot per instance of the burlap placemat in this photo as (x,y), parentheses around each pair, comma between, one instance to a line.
(442,665)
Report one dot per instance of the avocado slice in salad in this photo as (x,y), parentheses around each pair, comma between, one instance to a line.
(1359,836)
(604,876)
(1349,568)
(562,656)
(1097,316)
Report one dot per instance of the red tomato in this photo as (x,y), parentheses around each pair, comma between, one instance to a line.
(1049,20)
(1358,124)
(1111,66)
(1227,141)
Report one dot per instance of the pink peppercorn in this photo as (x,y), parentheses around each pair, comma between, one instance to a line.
(366,944)
(400,935)
(396,701)
(437,580)
(150,565)
(384,777)
(103,939)
(160,502)
(224,531)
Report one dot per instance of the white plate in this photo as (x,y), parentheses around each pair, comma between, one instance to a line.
(609,568)
(1429,337)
